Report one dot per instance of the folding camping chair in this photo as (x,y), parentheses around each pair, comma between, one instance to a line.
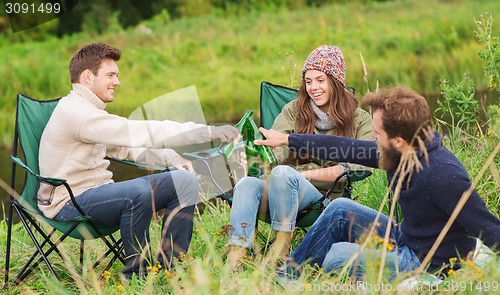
(31,118)
(272,99)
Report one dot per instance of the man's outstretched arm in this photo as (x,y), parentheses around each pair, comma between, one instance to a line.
(328,147)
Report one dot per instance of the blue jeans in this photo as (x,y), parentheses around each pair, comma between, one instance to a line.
(332,241)
(285,191)
(131,205)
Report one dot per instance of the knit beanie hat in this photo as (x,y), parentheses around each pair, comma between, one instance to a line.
(327,59)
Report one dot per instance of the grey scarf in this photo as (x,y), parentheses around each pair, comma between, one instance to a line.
(323,122)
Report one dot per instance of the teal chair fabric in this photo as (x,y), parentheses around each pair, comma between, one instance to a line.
(31,118)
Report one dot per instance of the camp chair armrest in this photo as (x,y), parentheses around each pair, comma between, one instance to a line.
(352,176)
(334,184)
(49,180)
(142,166)
(359,174)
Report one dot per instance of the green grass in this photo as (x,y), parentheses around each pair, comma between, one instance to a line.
(414,43)
(204,271)
(226,61)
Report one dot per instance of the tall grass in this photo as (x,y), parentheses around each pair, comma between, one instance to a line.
(203,270)
(414,43)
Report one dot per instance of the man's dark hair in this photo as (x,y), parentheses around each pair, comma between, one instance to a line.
(90,57)
(405,113)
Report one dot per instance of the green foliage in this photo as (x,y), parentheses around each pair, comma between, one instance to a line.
(227,57)
(468,136)
(226,62)
(494,115)
(490,55)
(103,19)
(459,102)
(191,8)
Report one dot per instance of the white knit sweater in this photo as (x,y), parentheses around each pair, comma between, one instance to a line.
(80,133)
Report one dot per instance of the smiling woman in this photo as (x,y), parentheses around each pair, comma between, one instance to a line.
(323,106)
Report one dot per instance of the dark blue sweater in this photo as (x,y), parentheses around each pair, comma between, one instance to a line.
(427,202)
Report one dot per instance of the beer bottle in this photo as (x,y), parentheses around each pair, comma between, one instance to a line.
(265,151)
(227,148)
(255,153)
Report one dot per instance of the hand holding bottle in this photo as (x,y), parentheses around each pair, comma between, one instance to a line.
(225,133)
(255,155)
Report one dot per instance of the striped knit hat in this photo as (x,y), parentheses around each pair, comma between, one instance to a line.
(327,59)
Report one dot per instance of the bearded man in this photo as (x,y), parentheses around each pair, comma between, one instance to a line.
(427,179)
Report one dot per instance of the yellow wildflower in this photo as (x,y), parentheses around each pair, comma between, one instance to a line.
(106,274)
(168,274)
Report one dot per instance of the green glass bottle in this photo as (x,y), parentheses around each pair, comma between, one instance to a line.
(253,155)
(265,151)
(256,154)
(227,148)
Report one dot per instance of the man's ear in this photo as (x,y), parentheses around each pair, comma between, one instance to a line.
(86,77)
(400,143)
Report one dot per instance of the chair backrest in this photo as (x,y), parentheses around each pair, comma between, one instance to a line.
(272,99)
(31,118)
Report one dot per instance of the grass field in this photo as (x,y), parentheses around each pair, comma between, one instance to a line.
(403,42)
(415,43)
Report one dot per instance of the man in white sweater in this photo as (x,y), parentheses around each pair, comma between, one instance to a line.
(80,134)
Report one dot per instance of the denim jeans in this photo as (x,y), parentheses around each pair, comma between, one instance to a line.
(131,205)
(332,241)
(286,192)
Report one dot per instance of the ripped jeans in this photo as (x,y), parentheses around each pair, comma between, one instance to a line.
(286,192)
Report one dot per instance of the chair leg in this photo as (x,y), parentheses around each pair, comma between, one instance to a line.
(112,260)
(111,247)
(118,246)
(9,240)
(28,267)
(82,247)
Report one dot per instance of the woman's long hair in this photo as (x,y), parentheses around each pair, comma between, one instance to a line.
(341,110)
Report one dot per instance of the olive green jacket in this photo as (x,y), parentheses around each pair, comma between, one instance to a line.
(286,122)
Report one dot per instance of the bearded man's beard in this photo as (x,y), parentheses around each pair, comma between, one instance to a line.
(389,158)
